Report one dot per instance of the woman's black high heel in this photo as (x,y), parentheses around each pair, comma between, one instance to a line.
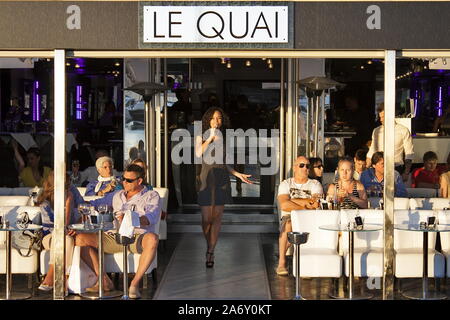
(209,259)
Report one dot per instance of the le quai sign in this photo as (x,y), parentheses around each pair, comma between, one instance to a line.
(215,24)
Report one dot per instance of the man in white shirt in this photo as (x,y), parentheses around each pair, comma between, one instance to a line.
(403,145)
(295,193)
(146,203)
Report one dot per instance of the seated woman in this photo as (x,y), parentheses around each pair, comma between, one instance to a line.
(315,169)
(346,190)
(373,178)
(106,182)
(35,172)
(45,201)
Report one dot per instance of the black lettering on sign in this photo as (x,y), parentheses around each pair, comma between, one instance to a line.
(217,33)
(171,23)
(231,26)
(265,25)
(154,27)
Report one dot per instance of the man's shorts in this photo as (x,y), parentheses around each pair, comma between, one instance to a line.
(111,246)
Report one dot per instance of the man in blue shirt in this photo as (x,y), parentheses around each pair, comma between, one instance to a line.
(373,179)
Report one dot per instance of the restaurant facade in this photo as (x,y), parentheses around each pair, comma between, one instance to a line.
(298,36)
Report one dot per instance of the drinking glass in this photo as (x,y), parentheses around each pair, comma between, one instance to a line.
(85,210)
(102,210)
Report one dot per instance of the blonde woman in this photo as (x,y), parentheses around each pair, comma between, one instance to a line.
(349,192)
(46,202)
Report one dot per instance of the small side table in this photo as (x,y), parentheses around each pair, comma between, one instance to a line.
(101,255)
(425,294)
(351,231)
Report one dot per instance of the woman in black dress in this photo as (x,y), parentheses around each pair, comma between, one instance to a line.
(213,184)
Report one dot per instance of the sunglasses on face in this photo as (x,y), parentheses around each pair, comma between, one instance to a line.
(302,165)
(320,166)
(129,180)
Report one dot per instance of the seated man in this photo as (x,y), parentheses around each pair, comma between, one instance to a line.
(295,193)
(360,163)
(90,173)
(105,182)
(373,179)
(148,205)
(428,175)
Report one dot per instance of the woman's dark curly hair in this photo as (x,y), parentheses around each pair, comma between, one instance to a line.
(207,116)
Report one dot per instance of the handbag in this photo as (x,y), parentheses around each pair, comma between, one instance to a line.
(80,276)
(27,239)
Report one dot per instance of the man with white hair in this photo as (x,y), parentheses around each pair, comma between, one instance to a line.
(106,182)
(90,173)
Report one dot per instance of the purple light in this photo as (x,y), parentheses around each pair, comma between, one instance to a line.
(79,104)
(440,102)
(415,101)
(36,104)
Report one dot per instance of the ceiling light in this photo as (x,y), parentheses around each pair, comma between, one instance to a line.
(223,61)
(269,61)
(263,59)
(77,66)
(68,64)
(369,62)
(229,65)
(248,63)
(270,66)
(117,64)
(362,67)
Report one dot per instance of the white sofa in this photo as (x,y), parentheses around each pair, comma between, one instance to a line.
(444,218)
(14,201)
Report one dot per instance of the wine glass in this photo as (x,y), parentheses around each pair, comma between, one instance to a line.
(85,210)
(102,210)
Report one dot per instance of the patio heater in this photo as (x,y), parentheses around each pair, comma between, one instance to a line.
(314,87)
(297,238)
(147,90)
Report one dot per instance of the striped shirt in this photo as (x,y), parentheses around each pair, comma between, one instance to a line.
(147,203)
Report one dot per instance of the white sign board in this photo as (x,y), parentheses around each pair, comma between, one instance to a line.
(215,24)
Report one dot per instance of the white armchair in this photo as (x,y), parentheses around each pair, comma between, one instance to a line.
(368,246)
(318,256)
(408,246)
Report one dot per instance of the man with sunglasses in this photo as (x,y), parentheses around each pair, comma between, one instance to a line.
(296,193)
(137,197)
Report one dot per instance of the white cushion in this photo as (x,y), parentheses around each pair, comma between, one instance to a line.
(114,262)
(447,258)
(366,263)
(409,263)
(19,264)
(164,196)
(432,203)
(318,263)
(14,200)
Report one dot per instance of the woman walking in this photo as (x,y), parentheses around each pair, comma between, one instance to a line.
(214,186)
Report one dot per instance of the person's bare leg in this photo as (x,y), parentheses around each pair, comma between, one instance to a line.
(215,227)
(48,280)
(283,245)
(207,219)
(149,245)
(89,254)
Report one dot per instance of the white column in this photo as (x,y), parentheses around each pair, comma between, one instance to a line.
(60,172)
(389,118)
